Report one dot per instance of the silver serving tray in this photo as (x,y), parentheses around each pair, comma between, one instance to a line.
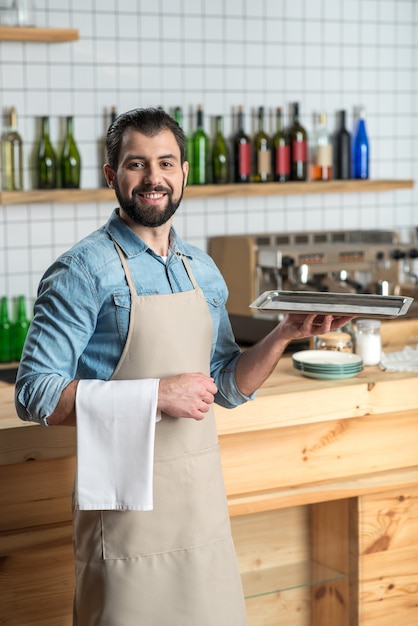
(360,305)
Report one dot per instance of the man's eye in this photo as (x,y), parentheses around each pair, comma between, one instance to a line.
(166,164)
(137,164)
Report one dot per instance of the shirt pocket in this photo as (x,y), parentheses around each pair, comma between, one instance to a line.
(122,306)
(216,304)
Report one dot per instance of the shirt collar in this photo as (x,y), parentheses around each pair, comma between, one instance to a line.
(132,245)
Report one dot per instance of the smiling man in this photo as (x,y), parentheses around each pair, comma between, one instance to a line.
(131,342)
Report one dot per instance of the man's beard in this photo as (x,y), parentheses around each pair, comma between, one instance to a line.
(147,215)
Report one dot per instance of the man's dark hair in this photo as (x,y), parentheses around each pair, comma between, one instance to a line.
(149,122)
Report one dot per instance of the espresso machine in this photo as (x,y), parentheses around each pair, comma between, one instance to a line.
(372,262)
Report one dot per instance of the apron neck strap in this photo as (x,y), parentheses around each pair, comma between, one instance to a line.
(128,275)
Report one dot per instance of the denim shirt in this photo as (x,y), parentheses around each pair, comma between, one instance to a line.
(81,315)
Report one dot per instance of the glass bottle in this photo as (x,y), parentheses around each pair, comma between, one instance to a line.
(361,149)
(262,152)
(200,151)
(46,160)
(242,151)
(12,156)
(178,116)
(5,332)
(342,150)
(220,156)
(321,155)
(70,159)
(369,341)
(298,148)
(20,328)
(281,150)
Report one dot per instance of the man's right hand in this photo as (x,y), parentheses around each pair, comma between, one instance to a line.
(186,395)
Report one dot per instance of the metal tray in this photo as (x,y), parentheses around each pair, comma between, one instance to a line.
(360,305)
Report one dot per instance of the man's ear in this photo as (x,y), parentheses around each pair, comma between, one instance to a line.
(109,175)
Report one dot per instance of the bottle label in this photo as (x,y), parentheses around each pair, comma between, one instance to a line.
(264,162)
(244,159)
(299,151)
(283,160)
(324,155)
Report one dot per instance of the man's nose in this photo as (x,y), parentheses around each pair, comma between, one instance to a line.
(152,174)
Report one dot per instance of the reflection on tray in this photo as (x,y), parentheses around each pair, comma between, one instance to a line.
(365,305)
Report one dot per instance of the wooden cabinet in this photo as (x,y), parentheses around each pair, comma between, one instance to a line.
(322,486)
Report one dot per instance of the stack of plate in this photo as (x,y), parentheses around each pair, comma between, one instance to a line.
(327,364)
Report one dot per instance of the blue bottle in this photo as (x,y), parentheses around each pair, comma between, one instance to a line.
(361,150)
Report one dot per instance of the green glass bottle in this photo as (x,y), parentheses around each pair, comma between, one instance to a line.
(46,160)
(298,148)
(178,116)
(12,156)
(200,151)
(262,152)
(220,155)
(20,329)
(5,332)
(70,160)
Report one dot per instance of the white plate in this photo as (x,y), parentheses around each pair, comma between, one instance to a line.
(326,357)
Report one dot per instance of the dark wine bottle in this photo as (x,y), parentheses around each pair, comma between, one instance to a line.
(46,160)
(220,155)
(262,152)
(70,159)
(342,150)
(281,150)
(298,148)
(242,151)
(5,332)
(12,155)
(200,151)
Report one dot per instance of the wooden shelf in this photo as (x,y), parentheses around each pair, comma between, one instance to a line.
(63,196)
(33,33)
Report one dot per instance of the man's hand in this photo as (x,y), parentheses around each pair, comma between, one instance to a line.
(299,326)
(186,395)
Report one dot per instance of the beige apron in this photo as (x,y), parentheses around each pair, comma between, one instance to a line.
(174,565)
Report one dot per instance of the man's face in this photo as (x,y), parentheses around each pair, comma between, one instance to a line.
(150,179)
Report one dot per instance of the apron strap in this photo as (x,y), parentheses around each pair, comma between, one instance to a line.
(125,266)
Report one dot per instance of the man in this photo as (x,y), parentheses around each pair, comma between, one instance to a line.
(131,341)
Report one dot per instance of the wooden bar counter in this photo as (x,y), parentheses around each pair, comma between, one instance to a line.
(322,484)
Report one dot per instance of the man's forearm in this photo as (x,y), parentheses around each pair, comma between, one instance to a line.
(64,413)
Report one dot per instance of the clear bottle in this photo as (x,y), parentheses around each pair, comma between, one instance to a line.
(298,148)
(242,151)
(281,150)
(321,154)
(262,152)
(5,332)
(361,148)
(369,341)
(46,160)
(200,151)
(342,150)
(70,159)
(220,156)
(12,156)
(20,328)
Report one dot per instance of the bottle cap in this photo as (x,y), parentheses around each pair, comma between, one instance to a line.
(368,323)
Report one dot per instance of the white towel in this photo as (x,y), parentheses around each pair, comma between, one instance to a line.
(115,444)
(404,361)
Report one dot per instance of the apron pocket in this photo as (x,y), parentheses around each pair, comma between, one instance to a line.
(190,510)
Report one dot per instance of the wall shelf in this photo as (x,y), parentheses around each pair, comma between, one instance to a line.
(64,196)
(33,33)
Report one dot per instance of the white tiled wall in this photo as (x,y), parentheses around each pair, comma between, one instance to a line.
(326,54)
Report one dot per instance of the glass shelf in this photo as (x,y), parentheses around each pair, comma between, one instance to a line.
(263,582)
